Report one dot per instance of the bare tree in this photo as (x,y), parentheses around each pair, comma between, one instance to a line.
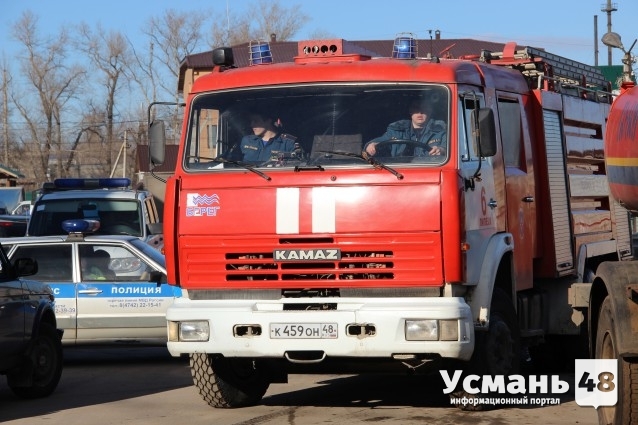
(143,72)
(108,53)
(262,19)
(173,36)
(5,81)
(53,85)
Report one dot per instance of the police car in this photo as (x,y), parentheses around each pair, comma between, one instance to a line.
(108,289)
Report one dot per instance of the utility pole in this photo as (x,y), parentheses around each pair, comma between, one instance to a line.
(5,114)
(608,8)
(595,40)
(123,149)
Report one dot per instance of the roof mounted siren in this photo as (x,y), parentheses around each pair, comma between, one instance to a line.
(404,46)
(223,57)
(260,53)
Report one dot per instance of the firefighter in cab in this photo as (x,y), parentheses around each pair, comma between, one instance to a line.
(428,135)
(267,141)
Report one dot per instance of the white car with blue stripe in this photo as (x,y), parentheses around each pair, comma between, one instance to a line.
(125,305)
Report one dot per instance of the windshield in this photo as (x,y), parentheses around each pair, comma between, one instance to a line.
(116,217)
(319,125)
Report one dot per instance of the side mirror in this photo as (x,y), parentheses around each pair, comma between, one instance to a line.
(157,142)
(25,266)
(486,132)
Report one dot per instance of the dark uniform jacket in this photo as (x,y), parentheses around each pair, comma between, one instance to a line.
(434,134)
(254,150)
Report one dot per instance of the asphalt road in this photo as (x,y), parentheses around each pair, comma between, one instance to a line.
(107,386)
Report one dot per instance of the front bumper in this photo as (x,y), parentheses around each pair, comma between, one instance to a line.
(385,318)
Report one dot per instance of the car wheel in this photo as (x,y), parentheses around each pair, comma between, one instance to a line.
(228,382)
(626,409)
(43,364)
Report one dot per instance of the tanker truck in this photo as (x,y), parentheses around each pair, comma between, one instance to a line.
(613,299)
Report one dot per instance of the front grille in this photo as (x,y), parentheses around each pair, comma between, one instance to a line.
(353,265)
(371,261)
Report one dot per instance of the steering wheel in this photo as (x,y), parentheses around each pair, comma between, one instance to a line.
(406,142)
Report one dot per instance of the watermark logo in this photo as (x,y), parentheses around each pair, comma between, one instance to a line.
(596,382)
(503,389)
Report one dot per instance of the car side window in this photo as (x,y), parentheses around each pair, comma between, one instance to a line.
(121,265)
(54,261)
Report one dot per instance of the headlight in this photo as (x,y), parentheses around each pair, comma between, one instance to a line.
(192,331)
(422,330)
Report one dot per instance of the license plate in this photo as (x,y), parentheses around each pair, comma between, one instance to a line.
(303,330)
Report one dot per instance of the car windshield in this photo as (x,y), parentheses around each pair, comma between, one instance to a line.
(318,125)
(115,216)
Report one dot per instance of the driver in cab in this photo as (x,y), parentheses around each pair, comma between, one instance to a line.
(420,129)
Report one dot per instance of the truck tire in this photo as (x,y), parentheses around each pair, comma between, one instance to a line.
(228,382)
(43,366)
(497,351)
(626,409)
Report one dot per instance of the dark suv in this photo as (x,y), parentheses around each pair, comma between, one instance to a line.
(30,342)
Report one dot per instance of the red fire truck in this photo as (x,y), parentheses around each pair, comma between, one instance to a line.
(325,256)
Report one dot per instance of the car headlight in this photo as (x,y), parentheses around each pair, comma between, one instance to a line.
(422,330)
(196,330)
(432,330)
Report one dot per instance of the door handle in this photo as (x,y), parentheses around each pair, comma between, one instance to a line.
(528,199)
(92,291)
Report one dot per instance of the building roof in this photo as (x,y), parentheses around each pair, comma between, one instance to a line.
(8,173)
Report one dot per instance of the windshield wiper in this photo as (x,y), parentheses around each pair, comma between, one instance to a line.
(367,158)
(248,167)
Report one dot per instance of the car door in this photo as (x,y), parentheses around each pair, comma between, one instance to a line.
(55,267)
(12,318)
(122,305)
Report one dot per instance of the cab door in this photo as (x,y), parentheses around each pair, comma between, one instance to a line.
(123,306)
(519,184)
(480,195)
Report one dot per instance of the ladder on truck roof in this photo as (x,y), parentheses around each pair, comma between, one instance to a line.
(533,62)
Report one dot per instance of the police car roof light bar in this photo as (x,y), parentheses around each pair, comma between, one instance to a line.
(99,183)
(80,226)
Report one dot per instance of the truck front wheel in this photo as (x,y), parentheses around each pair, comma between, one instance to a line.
(228,382)
(497,350)
(626,409)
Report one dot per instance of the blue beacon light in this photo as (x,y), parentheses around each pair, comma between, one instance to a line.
(404,47)
(260,53)
(76,183)
(80,226)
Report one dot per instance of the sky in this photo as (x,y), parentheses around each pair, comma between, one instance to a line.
(562,27)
